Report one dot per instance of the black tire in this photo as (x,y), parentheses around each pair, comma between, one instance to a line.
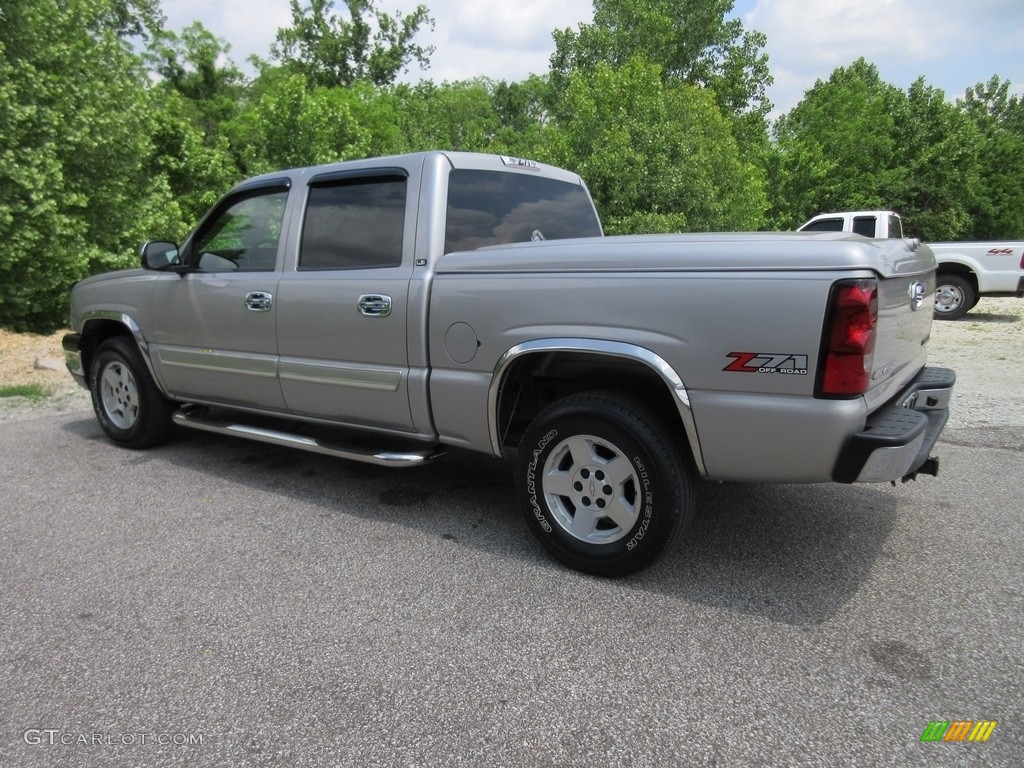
(954,297)
(128,404)
(603,486)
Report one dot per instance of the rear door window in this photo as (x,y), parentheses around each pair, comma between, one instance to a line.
(865,225)
(354,224)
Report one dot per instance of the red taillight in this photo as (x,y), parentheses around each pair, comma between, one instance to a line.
(849,339)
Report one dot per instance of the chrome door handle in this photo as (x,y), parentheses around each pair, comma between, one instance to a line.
(259,301)
(374,305)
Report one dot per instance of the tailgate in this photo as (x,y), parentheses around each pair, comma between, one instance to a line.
(906,293)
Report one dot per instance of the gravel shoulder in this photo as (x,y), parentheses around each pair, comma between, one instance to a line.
(985,348)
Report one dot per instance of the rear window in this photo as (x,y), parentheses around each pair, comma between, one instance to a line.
(496,208)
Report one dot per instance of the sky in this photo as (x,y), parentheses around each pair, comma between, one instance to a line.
(952,43)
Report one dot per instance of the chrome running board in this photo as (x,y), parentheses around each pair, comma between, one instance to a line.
(195,417)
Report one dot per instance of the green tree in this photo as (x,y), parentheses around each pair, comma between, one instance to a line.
(76,192)
(195,64)
(935,177)
(292,123)
(458,116)
(199,91)
(196,167)
(998,213)
(330,50)
(691,40)
(657,156)
(836,148)
(857,142)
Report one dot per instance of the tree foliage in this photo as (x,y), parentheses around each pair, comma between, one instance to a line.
(935,179)
(998,211)
(657,156)
(836,147)
(75,128)
(659,104)
(330,50)
(692,41)
(857,142)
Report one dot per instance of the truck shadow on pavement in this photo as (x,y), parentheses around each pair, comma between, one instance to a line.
(791,554)
(985,317)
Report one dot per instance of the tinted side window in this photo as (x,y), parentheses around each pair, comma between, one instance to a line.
(824,225)
(243,235)
(865,225)
(495,208)
(354,224)
(895,226)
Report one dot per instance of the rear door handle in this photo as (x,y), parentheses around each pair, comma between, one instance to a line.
(259,301)
(374,305)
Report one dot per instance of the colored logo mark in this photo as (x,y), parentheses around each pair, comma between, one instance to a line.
(959,730)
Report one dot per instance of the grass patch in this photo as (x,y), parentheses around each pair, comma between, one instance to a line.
(33,392)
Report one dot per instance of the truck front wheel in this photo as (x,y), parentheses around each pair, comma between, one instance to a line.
(128,404)
(602,484)
(954,297)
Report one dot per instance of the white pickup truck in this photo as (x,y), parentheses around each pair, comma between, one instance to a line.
(966,271)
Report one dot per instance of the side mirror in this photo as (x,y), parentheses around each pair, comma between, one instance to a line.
(159,255)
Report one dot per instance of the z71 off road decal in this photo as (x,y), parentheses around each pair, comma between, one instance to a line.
(767,362)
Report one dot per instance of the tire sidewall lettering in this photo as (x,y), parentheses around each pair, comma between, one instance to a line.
(648,510)
(534,494)
(531,480)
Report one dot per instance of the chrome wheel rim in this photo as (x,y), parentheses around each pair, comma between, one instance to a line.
(592,489)
(119,395)
(948,298)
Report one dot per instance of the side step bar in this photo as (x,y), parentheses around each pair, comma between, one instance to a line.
(197,417)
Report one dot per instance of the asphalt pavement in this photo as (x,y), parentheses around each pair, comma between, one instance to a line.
(217,602)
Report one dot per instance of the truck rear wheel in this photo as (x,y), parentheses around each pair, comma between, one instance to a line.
(128,404)
(954,297)
(602,484)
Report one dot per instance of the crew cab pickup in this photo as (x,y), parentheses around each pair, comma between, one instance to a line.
(966,271)
(384,310)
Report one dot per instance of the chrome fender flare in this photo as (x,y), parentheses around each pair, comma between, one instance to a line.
(642,355)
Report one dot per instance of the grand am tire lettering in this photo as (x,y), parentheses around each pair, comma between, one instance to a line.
(604,486)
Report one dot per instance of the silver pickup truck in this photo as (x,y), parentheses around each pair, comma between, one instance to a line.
(382,310)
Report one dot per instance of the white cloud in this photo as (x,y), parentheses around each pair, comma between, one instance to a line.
(248,26)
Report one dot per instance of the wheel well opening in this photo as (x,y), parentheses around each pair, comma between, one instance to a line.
(537,380)
(960,271)
(93,335)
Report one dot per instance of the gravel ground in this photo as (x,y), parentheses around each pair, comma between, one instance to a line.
(985,348)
